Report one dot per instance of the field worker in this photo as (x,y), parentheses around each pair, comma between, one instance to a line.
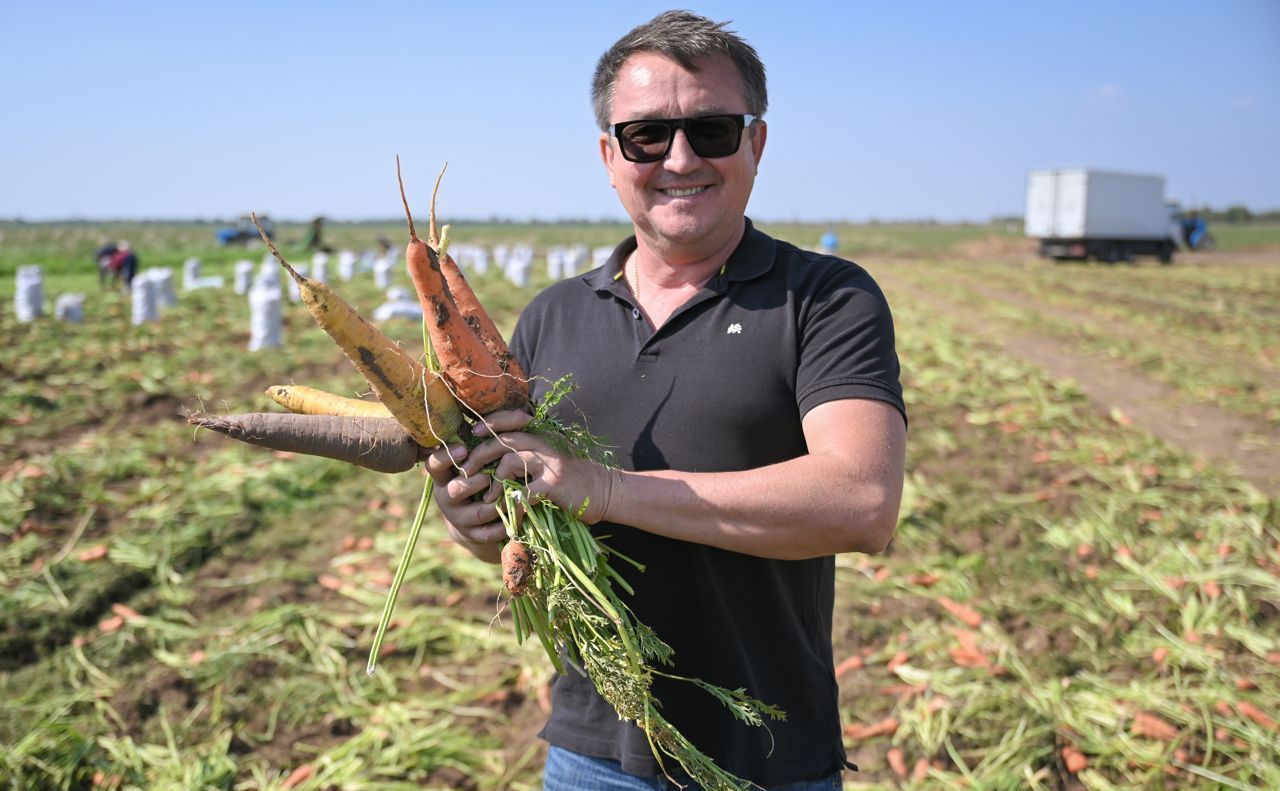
(124,264)
(103,258)
(750,392)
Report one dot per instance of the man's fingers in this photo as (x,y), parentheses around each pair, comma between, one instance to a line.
(494,492)
(518,466)
(460,488)
(442,463)
(491,450)
(484,534)
(505,420)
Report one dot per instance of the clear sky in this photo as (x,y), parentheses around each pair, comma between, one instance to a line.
(888,110)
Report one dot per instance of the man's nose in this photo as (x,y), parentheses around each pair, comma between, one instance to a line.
(681,158)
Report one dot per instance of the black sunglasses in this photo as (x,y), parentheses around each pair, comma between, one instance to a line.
(710,136)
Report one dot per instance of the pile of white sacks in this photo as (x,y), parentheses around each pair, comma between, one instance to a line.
(266,287)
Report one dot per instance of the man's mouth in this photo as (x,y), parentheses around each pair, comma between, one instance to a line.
(683,193)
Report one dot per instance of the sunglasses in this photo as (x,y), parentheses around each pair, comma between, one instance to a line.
(710,136)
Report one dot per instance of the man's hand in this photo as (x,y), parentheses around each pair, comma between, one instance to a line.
(473,523)
(565,480)
(460,475)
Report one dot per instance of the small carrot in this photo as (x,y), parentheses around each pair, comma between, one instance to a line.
(897,761)
(1257,715)
(857,731)
(297,776)
(304,400)
(967,615)
(516,567)
(379,444)
(1153,727)
(852,663)
(1075,761)
(397,379)
(476,376)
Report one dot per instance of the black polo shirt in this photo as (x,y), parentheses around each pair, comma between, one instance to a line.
(722,386)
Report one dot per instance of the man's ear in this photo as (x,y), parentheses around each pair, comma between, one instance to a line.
(760,133)
(606,156)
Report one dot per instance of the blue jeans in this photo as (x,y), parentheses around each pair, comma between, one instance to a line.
(570,771)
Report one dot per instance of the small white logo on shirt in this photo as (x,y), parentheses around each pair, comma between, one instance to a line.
(734,329)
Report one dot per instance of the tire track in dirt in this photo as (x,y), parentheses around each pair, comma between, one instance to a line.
(1233,440)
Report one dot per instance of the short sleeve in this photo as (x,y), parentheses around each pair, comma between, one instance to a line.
(846,340)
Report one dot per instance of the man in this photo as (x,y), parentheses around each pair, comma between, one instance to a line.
(750,391)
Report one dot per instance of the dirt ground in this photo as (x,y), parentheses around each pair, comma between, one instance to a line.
(1245,444)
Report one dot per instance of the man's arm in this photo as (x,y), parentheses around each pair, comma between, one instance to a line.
(843,496)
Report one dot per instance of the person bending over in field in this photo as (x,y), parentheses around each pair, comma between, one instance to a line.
(103,258)
(123,264)
(750,390)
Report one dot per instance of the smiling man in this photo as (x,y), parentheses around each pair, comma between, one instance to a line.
(751,393)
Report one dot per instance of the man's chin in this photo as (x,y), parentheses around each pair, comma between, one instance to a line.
(681,229)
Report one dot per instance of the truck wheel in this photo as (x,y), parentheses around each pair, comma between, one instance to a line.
(1166,253)
(1112,254)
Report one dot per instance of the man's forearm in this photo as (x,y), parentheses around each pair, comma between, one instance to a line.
(807,507)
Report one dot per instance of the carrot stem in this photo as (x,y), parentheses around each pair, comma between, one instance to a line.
(398,579)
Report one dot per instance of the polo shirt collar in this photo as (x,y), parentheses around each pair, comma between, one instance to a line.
(752,258)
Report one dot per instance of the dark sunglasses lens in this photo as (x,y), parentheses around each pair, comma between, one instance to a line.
(714,137)
(645,141)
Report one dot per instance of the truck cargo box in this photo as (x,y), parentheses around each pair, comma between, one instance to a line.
(1078,203)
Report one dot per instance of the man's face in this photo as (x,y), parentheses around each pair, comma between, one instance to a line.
(684,207)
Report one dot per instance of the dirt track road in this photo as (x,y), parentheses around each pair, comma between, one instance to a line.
(1236,441)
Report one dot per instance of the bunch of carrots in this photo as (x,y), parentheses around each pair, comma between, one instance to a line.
(559,576)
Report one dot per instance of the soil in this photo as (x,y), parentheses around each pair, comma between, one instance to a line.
(1245,444)
(1265,378)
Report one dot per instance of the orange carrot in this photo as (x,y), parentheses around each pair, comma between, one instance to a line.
(857,731)
(1074,760)
(1153,727)
(897,761)
(477,378)
(516,567)
(477,318)
(852,663)
(966,615)
(920,771)
(297,776)
(1256,714)
(379,444)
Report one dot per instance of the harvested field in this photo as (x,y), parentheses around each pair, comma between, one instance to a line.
(1084,591)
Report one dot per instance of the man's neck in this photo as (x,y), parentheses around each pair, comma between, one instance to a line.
(671,267)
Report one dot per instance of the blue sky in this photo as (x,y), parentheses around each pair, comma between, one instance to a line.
(877,110)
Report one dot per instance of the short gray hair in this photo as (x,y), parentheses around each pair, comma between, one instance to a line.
(687,39)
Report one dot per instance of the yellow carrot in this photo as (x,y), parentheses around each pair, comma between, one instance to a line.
(305,400)
(401,383)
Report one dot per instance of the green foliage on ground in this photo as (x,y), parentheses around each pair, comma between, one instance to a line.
(180,611)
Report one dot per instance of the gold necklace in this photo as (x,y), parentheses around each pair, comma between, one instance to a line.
(635,277)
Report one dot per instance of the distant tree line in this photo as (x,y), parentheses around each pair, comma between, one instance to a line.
(1239,214)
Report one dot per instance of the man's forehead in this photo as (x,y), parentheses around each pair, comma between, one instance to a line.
(648,81)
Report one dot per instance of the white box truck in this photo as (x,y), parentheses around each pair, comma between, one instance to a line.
(1081,213)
